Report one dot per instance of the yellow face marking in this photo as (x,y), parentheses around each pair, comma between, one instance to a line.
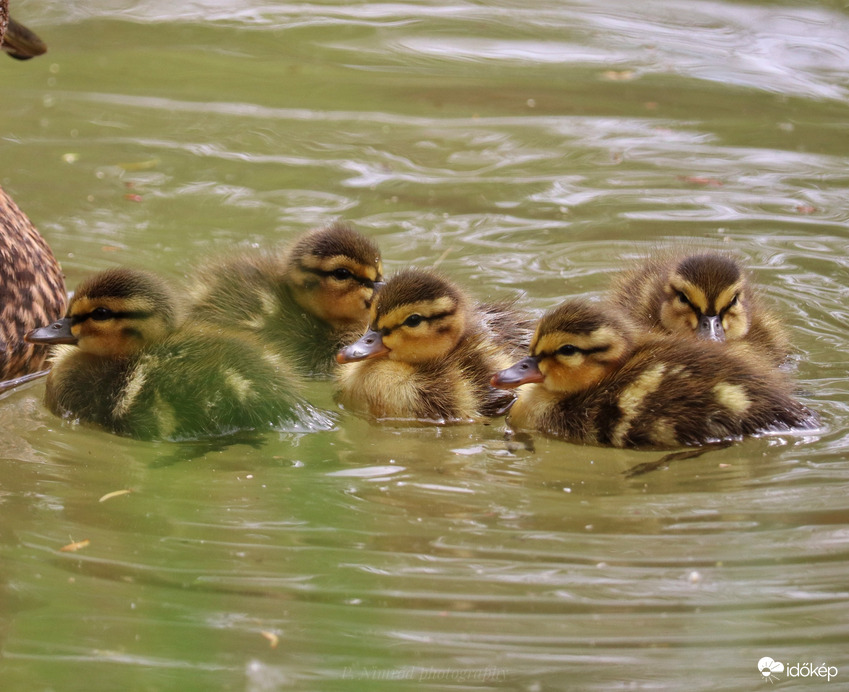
(338,289)
(425,308)
(83,305)
(597,354)
(130,325)
(732,396)
(723,300)
(693,293)
(414,340)
(680,317)
(334,262)
(735,321)
(632,397)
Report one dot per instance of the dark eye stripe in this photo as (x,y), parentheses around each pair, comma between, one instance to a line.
(731,304)
(386,331)
(585,351)
(368,283)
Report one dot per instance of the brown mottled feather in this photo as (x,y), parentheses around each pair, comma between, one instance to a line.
(32,290)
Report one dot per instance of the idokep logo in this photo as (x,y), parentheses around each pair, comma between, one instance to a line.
(770,669)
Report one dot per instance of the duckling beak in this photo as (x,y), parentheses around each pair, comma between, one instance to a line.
(523,372)
(710,327)
(369,346)
(57,333)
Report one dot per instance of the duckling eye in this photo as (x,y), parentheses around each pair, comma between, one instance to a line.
(101,314)
(732,303)
(341,273)
(413,320)
(567,350)
(683,299)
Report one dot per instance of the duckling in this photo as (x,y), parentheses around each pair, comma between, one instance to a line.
(32,290)
(127,366)
(593,378)
(306,302)
(707,295)
(429,352)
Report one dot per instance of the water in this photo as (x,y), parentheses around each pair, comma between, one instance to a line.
(525,148)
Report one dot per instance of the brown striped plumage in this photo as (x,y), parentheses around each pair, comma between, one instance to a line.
(32,290)
(591,377)
(429,353)
(702,294)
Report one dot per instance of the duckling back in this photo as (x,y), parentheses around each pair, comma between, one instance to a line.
(32,290)
(193,385)
(670,394)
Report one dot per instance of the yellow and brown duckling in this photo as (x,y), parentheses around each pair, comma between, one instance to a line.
(429,353)
(306,302)
(592,378)
(16,40)
(127,366)
(32,290)
(705,294)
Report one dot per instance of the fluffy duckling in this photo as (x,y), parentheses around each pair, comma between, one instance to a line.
(707,295)
(17,40)
(429,353)
(127,367)
(592,379)
(32,290)
(305,302)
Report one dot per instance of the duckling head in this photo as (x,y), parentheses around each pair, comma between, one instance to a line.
(333,273)
(113,314)
(574,347)
(705,295)
(417,317)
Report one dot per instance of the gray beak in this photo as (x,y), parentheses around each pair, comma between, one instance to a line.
(710,327)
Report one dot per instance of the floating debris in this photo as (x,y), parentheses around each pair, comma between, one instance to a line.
(74,547)
(114,493)
(272,638)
